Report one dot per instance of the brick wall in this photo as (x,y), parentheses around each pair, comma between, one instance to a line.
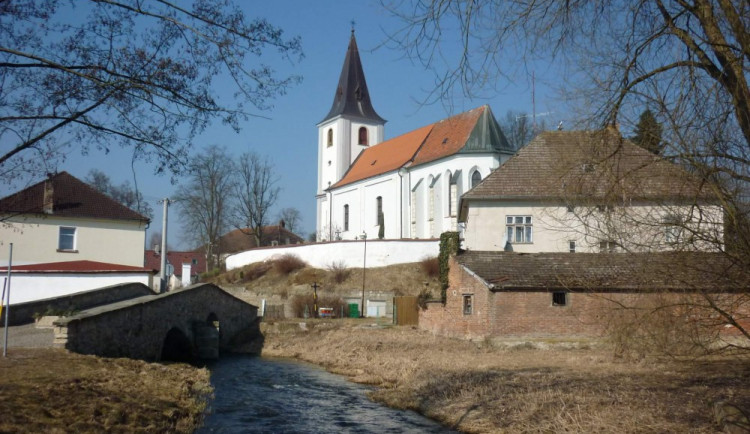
(506,313)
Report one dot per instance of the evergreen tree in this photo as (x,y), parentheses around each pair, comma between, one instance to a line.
(648,133)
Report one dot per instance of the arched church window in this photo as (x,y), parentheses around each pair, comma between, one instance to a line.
(330,137)
(363,139)
(453,196)
(379,207)
(476,177)
(346,217)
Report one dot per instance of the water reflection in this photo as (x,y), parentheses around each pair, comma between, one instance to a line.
(255,394)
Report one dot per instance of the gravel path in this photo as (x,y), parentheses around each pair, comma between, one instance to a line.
(28,336)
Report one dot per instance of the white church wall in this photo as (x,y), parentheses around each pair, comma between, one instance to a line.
(380,253)
(421,176)
(362,200)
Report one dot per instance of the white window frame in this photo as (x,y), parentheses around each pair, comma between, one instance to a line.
(524,223)
(74,236)
(468,308)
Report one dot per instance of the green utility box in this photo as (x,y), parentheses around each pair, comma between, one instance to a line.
(353,310)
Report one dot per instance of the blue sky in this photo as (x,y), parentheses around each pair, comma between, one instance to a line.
(289,136)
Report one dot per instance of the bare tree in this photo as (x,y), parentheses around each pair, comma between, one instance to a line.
(292,218)
(204,200)
(688,62)
(256,193)
(518,128)
(96,74)
(122,193)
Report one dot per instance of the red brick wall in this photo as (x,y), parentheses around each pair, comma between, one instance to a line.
(528,314)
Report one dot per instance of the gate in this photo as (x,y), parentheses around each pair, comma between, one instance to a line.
(406,310)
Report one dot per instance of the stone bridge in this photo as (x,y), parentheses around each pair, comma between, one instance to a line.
(194,322)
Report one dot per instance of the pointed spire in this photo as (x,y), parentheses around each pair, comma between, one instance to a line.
(352,97)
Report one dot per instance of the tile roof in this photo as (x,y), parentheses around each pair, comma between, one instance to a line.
(691,271)
(76,267)
(240,240)
(429,143)
(71,198)
(153,261)
(583,165)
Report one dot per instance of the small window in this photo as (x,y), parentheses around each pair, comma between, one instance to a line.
(330,137)
(363,136)
(468,304)
(519,229)
(67,239)
(607,246)
(452,197)
(476,178)
(194,261)
(572,246)
(559,298)
(346,217)
(673,228)
(378,208)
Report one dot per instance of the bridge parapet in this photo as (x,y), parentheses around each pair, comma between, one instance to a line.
(151,326)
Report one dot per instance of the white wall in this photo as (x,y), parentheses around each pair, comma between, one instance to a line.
(380,253)
(35,240)
(638,227)
(38,286)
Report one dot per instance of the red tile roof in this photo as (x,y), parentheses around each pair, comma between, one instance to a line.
(71,198)
(429,143)
(153,261)
(240,240)
(76,267)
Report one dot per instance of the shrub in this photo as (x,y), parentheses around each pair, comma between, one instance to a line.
(430,266)
(300,301)
(288,263)
(254,271)
(339,271)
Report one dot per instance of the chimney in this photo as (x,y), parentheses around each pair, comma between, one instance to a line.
(48,204)
(157,249)
(282,223)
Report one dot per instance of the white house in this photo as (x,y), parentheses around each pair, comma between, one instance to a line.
(68,238)
(409,184)
(589,191)
(64,219)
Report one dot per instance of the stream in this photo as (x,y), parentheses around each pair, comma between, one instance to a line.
(258,394)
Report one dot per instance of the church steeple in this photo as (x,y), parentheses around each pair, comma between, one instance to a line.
(352,97)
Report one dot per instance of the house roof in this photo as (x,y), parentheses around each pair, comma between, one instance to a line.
(76,267)
(197,260)
(240,240)
(352,97)
(578,166)
(71,197)
(472,131)
(673,271)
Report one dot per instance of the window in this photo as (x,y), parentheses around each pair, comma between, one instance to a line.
(195,261)
(468,304)
(572,246)
(363,136)
(413,213)
(519,228)
(476,177)
(559,298)
(378,208)
(346,217)
(673,225)
(330,137)
(431,209)
(67,240)
(608,246)
(452,197)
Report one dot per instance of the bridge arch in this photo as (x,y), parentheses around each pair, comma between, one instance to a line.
(177,346)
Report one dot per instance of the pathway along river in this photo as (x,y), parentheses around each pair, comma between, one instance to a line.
(256,394)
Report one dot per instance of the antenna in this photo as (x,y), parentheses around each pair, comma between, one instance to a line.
(533,101)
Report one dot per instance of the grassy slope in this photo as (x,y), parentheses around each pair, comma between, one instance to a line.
(489,389)
(47,390)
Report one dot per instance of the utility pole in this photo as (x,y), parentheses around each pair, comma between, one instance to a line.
(364,270)
(163,266)
(6,293)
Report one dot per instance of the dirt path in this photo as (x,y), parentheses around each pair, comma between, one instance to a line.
(518,388)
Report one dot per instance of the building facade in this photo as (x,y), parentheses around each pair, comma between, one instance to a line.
(405,187)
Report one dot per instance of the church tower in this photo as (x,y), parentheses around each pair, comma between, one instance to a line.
(350,126)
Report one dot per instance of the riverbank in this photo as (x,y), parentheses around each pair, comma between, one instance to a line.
(549,386)
(49,390)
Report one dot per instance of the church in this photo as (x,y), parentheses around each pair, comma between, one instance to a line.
(405,187)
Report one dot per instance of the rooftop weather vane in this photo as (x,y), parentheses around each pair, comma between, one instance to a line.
(353,24)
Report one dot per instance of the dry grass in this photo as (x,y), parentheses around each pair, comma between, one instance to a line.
(430,266)
(339,272)
(484,388)
(46,390)
(288,263)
